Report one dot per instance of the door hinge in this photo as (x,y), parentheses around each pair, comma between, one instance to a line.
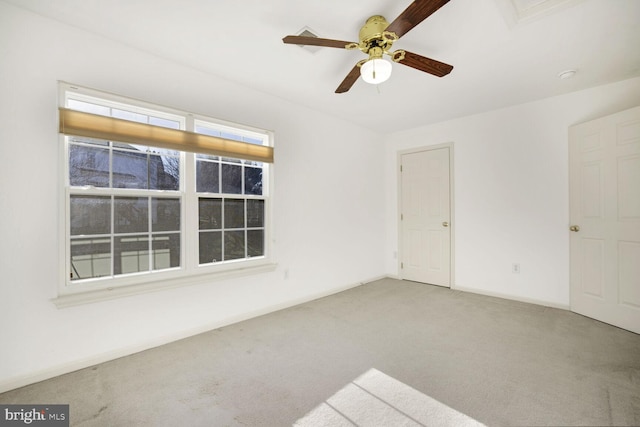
(400,168)
(402,265)
(401,217)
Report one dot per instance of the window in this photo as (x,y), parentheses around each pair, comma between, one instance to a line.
(138,213)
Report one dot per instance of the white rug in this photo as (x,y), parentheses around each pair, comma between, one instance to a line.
(377,400)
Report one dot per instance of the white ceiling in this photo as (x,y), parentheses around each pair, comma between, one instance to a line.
(504,52)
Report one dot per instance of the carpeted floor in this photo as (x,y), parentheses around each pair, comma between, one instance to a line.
(495,361)
(376,399)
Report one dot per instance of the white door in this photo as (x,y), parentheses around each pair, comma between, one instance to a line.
(425,217)
(605,219)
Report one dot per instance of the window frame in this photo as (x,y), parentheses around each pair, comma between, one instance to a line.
(73,292)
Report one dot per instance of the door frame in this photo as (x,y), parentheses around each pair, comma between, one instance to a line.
(452,221)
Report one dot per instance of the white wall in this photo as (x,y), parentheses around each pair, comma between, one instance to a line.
(329,221)
(511,191)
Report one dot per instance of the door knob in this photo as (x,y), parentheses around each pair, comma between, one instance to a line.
(575,228)
(445,224)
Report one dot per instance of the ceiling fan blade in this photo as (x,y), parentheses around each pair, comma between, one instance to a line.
(428,65)
(316,41)
(417,12)
(349,81)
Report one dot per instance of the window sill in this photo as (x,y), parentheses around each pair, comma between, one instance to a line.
(88,297)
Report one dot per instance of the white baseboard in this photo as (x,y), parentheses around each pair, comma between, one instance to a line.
(75,365)
(497,295)
(373,279)
(511,297)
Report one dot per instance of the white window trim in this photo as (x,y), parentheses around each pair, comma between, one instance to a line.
(190,272)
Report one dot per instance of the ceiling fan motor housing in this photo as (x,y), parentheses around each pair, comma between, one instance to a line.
(373,35)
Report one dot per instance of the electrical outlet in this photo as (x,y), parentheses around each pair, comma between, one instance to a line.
(515,268)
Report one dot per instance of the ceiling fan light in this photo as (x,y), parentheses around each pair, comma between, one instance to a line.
(376,71)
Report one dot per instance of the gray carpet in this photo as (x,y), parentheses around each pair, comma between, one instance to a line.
(495,361)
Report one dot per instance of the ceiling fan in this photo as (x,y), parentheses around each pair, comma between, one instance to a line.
(376,38)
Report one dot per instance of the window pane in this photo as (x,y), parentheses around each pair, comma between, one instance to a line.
(233,245)
(131,214)
(90,215)
(210,213)
(233,213)
(88,107)
(130,147)
(207,131)
(255,213)
(84,140)
(210,247)
(88,166)
(164,172)
(165,214)
(207,177)
(231,179)
(130,169)
(166,251)
(231,160)
(206,157)
(90,258)
(252,180)
(252,140)
(128,115)
(255,243)
(231,136)
(131,254)
(165,123)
